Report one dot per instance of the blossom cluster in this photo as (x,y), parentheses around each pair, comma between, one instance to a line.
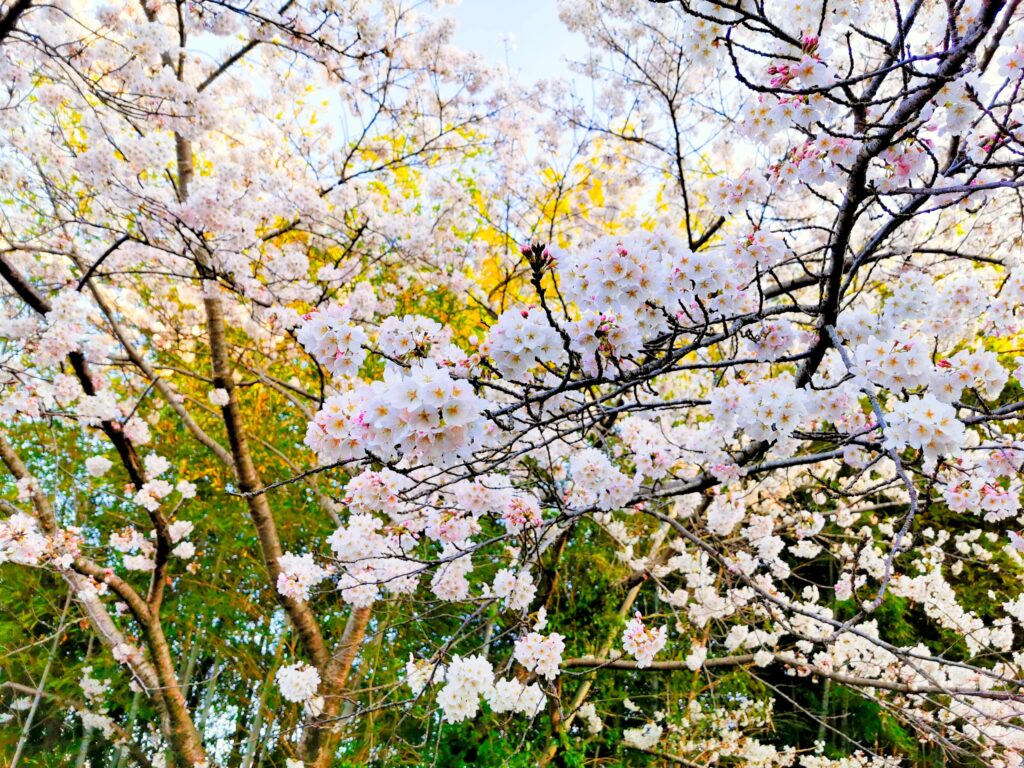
(421,414)
(523,340)
(21,541)
(372,557)
(470,679)
(541,654)
(298,575)
(298,682)
(334,340)
(642,641)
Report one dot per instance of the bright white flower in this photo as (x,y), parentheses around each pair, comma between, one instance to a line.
(894,365)
(152,492)
(926,423)
(518,589)
(512,696)
(449,581)
(523,339)
(370,493)
(725,512)
(186,489)
(219,397)
(520,513)
(97,466)
(179,529)
(542,620)
(93,688)
(422,414)
(298,575)
(467,680)
(731,196)
(186,550)
(695,660)
(589,714)
(139,563)
(21,703)
(409,337)
(137,430)
(420,672)
(21,541)
(597,482)
(763,658)
(373,559)
(641,642)
(336,343)
(298,682)
(645,737)
(616,277)
(541,654)
(129,539)
(605,341)
(156,465)
(103,723)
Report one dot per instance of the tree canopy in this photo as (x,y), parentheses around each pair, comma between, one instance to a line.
(362,405)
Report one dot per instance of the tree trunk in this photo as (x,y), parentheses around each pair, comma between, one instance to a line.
(324,731)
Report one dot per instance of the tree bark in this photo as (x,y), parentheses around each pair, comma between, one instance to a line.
(324,731)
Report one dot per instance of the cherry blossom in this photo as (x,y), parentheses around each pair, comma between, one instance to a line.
(298,682)
(642,641)
(466,680)
(540,653)
(298,575)
(425,361)
(97,466)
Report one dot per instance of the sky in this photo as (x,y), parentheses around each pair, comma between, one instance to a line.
(539,45)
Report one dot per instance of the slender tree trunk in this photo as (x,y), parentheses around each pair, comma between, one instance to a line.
(83,749)
(26,729)
(204,709)
(133,712)
(324,731)
(257,724)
